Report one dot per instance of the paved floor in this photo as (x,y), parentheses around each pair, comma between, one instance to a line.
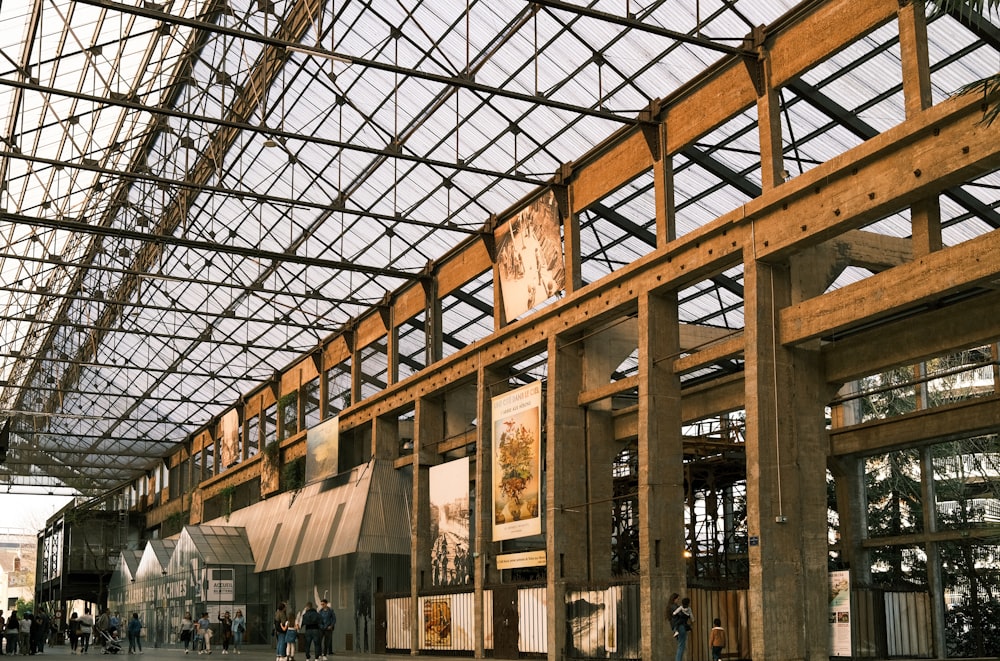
(250,653)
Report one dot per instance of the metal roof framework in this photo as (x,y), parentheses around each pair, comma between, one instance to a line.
(195,193)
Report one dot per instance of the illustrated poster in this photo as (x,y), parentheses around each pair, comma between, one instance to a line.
(530,261)
(840,613)
(229,434)
(517,426)
(437,623)
(322,449)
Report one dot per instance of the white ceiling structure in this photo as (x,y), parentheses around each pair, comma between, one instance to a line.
(195,193)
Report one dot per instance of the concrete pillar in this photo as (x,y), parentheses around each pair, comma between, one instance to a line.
(385,437)
(786,446)
(661,471)
(490,383)
(428,431)
(925,215)
(935,580)
(565,453)
(602,353)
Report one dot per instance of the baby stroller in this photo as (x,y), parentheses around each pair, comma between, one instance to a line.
(111,643)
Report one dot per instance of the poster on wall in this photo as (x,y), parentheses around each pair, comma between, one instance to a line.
(517,427)
(322,449)
(530,261)
(437,622)
(840,613)
(451,557)
(229,435)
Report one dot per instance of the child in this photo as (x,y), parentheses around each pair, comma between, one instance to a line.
(717,639)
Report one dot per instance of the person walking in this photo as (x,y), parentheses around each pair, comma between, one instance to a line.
(239,629)
(187,631)
(134,630)
(73,629)
(313,636)
(205,634)
(327,623)
(717,639)
(86,630)
(226,627)
(681,620)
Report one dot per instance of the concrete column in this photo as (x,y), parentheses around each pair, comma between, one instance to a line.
(663,185)
(661,471)
(935,581)
(786,451)
(490,383)
(925,215)
(385,437)
(428,431)
(602,353)
(772,161)
(565,453)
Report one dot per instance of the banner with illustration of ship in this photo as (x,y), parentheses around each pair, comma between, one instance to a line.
(517,427)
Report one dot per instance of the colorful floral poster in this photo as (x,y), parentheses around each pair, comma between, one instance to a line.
(530,261)
(517,426)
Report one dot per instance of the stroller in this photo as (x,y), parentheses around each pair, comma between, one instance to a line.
(111,643)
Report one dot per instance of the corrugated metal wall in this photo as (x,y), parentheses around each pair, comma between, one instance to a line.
(908,624)
(730,606)
(603,623)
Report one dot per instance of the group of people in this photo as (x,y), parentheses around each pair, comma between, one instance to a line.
(105,629)
(26,634)
(681,618)
(315,625)
(198,634)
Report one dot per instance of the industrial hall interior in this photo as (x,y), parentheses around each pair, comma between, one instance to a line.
(510,327)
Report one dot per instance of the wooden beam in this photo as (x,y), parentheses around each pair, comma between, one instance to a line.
(723,349)
(968,418)
(875,252)
(593,395)
(884,295)
(967,324)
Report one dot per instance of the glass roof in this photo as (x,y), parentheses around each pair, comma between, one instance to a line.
(196,193)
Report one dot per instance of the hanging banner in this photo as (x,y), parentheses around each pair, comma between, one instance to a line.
(530,261)
(229,436)
(840,613)
(323,449)
(517,425)
(451,557)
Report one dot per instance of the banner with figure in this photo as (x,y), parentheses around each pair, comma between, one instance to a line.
(517,433)
(451,557)
(530,261)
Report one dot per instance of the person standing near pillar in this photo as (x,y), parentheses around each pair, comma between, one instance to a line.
(681,620)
